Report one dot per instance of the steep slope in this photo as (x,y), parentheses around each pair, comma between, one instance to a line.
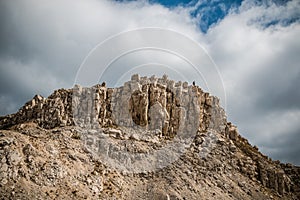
(149,139)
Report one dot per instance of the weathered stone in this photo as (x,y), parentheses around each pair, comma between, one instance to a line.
(233,132)
(5,141)
(135,77)
(115,133)
(152,109)
(14,157)
(4,167)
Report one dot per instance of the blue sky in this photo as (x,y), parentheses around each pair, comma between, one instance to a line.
(207,13)
(255,45)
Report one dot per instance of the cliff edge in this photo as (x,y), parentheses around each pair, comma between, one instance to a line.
(152,138)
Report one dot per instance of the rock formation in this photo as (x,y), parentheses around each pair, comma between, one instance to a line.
(48,147)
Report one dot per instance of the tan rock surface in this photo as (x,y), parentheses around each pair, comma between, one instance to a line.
(45,151)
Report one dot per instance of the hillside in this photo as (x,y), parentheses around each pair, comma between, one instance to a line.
(152,138)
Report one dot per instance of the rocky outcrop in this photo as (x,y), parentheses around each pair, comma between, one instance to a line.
(154,103)
(54,111)
(41,143)
(293,172)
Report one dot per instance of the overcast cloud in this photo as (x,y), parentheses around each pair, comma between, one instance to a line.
(256,47)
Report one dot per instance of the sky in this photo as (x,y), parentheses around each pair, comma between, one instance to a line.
(254,44)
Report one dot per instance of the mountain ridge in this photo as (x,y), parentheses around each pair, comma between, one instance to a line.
(144,115)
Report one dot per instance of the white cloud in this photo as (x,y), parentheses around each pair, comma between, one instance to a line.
(46,41)
(260,68)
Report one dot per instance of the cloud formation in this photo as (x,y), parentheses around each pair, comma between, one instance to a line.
(255,47)
(44,42)
(260,67)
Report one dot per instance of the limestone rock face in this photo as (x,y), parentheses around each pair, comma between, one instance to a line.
(154,103)
(138,104)
(44,145)
(54,111)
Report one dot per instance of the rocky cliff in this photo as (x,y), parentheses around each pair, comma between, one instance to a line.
(152,138)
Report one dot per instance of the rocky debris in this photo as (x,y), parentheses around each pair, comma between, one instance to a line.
(115,133)
(274,178)
(54,111)
(231,131)
(47,148)
(293,172)
(46,168)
